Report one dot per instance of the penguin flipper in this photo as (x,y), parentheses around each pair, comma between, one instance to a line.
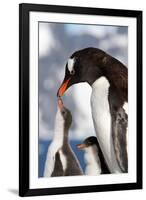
(120,124)
(58,168)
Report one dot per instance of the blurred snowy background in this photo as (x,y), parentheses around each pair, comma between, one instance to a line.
(57,41)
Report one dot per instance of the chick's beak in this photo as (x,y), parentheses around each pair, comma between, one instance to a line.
(81,146)
(60,103)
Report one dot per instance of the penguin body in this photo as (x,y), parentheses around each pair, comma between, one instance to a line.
(108,78)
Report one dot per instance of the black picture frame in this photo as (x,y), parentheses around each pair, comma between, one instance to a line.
(24,83)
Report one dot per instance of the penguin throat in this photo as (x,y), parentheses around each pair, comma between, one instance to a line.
(61,131)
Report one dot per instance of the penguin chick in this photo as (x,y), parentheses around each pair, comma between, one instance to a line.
(95,162)
(61,160)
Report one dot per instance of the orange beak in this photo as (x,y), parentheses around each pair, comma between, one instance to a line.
(63,88)
(81,146)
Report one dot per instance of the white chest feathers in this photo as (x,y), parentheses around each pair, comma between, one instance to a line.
(125,107)
(102,121)
(93,165)
(63,160)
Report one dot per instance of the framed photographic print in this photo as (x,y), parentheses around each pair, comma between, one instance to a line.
(80,99)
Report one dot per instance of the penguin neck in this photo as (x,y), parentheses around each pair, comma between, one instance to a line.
(65,138)
(60,132)
(115,72)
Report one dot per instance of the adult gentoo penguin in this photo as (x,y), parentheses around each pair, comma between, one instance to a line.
(95,162)
(108,78)
(60,160)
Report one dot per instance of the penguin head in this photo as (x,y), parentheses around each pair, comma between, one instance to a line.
(88,142)
(65,113)
(83,66)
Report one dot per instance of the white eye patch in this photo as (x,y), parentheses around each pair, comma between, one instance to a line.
(70,64)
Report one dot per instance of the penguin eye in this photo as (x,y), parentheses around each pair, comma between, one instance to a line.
(72,72)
